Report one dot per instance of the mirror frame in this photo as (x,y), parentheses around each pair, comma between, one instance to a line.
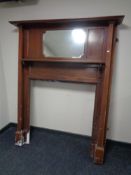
(77,44)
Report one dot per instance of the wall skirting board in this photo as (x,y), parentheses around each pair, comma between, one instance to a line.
(109,141)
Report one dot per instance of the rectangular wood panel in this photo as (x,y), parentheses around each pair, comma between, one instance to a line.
(33,43)
(95,48)
(62,73)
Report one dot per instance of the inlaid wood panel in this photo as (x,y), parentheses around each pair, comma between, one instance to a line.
(95,48)
(33,43)
(60,72)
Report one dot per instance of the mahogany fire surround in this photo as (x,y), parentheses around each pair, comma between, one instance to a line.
(95,67)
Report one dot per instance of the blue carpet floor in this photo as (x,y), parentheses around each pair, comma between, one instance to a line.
(52,153)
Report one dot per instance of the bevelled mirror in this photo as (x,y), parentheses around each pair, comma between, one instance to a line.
(68,43)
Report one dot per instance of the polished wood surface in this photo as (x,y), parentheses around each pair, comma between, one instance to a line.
(94,51)
(94,67)
(67,73)
(96,43)
(70,22)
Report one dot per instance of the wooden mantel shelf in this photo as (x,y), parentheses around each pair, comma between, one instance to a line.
(88,21)
(60,60)
(95,66)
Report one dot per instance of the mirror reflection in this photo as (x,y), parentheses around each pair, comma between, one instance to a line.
(64,43)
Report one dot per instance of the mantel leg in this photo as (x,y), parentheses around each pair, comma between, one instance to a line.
(23,127)
(22,133)
(96,119)
(102,103)
(99,123)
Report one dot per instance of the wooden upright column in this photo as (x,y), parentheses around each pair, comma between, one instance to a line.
(23,127)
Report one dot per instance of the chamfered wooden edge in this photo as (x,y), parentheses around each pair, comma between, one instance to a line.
(76,21)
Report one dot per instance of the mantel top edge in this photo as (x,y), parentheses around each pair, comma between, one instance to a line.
(92,20)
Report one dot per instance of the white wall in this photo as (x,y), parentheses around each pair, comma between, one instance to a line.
(69,96)
(4,117)
(61,106)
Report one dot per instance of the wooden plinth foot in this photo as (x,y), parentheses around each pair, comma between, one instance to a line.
(22,138)
(98,155)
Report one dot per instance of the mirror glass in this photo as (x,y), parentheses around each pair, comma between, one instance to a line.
(64,43)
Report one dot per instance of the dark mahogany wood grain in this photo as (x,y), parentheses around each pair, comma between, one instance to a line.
(20,80)
(94,49)
(62,72)
(103,105)
(95,67)
(94,61)
(33,44)
(71,22)
(96,44)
